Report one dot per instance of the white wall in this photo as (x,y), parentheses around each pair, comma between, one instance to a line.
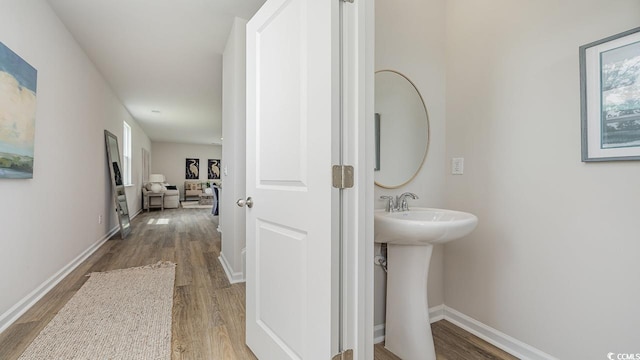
(169,159)
(48,221)
(554,260)
(410,39)
(232,217)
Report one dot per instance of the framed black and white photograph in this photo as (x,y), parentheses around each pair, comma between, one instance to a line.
(610,97)
(213,166)
(192,169)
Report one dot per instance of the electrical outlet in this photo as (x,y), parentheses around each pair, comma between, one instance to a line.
(100,219)
(457,166)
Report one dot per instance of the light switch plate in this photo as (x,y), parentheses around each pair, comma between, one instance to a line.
(457,166)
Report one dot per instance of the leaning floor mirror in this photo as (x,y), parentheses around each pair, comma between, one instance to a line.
(117,184)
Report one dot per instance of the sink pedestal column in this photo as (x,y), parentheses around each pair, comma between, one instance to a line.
(407,329)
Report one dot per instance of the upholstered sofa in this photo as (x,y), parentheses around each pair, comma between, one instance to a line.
(171,197)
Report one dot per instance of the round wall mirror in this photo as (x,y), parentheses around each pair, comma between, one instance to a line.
(401,129)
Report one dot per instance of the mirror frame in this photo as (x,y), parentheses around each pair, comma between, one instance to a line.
(125,229)
(426,150)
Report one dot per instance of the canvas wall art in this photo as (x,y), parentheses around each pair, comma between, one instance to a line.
(213,167)
(192,168)
(17,115)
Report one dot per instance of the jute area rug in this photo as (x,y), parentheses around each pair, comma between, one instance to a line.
(119,314)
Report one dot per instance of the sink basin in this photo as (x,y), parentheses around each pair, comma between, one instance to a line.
(422,226)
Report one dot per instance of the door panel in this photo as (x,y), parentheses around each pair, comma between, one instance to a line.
(281,65)
(281,284)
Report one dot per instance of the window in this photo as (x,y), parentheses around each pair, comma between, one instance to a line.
(126,153)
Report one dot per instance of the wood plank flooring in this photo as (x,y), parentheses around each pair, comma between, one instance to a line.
(453,343)
(208,312)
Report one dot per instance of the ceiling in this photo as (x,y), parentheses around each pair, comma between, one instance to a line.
(163,58)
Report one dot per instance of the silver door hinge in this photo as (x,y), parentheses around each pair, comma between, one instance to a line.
(345,355)
(342,176)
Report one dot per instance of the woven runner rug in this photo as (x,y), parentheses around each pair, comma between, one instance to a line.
(119,314)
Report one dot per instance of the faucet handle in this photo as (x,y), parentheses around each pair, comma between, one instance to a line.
(390,203)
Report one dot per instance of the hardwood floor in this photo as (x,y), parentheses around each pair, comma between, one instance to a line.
(453,343)
(208,312)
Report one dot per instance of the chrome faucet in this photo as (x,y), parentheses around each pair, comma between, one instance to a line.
(398,203)
(401,201)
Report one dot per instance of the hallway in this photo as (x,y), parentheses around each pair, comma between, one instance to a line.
(208,312)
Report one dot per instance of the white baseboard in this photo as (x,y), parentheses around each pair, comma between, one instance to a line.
(501,340)
(436,313)
(234,277)
(378,333)
(11,315)
(136,214)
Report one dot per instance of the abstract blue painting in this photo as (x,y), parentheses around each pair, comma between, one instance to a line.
(17,115)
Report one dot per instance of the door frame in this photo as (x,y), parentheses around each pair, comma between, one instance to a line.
(358,42)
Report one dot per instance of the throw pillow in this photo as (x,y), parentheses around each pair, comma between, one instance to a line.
(172,187)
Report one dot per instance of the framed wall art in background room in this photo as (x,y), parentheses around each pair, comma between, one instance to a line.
(213,166)
(192,169)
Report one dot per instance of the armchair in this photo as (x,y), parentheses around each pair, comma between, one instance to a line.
(192,189)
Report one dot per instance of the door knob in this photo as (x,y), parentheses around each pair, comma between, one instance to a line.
(248,202)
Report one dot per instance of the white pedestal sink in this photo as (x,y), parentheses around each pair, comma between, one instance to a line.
(410,236)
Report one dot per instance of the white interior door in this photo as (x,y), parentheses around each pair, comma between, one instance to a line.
(292,227)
